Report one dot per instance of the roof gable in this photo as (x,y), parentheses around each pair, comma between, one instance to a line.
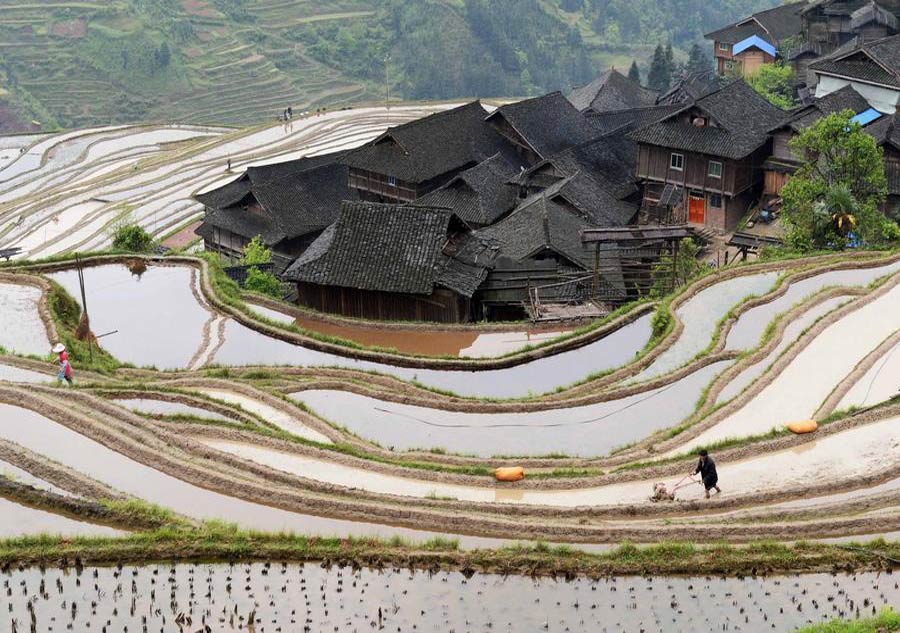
(612,91)
(430,147)
(386,248)
(743,119)
(547,124)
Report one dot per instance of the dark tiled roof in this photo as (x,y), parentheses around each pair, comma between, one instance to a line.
(631,119)
(424,149)
(688,88)
(226,195)
(885,131)
(778,24)
(612,91)
(389,248)
(743,120)
(537,226)
(549,124)
(296,198)
(875,62)
(844,99)
(478,195)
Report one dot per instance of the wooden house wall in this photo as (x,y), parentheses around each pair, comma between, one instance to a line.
(379,185)
(442,306)
(654,163)
(774,181)
(751,60)
(892,170)
(781,148)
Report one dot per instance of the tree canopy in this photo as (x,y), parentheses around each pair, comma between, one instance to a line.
(775,82)
(837,191)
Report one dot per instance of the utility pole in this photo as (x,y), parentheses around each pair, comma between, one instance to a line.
(387,87)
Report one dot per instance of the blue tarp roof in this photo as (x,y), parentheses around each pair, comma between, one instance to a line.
(866,116)
(758,42)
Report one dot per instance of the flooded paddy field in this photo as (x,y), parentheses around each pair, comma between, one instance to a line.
(21,328)
(18,520)
(291,597)
(426,342)
(163,407)
(588,430)
(135,305)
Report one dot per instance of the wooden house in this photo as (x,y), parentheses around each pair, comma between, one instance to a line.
(415,158)
(744,46)
(612,91)
(541,127)
(392,262)
(707,157)
(872,69)
(783,162)
(287,204)
(540,256)
(594,179)
(886,131)
(831,24)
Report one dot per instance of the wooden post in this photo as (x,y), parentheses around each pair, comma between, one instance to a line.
(675,263)
(596,281)
(84,307)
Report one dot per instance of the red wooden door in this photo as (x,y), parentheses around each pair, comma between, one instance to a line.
(696,210)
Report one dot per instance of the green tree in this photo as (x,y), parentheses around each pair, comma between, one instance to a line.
(263,283)
(841,177)
(775,82)
(132,238)
(670,59)
(698,60)
(634,73)
(256,253)
(659,76)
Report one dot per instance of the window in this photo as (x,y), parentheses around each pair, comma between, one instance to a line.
(715,201)
(676,162)
(715,169)
(392,181)
(724,47)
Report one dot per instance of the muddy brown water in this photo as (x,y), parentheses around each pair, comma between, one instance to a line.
(91,458)
(461,343)
(291,597)
(160,323)
(580,431)
(163,407)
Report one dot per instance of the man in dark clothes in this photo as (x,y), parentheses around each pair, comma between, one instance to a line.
(707,469)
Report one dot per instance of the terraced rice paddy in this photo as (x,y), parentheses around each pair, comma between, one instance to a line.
(258,423)
(65,192)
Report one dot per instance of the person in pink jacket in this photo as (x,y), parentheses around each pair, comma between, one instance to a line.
(65,367)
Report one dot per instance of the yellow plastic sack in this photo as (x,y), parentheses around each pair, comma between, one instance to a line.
(806,426)
(513,473)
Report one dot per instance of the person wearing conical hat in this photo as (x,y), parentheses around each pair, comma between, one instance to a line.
(65,367)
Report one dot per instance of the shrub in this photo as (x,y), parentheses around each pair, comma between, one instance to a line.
(256,253)
(263,283)
(132,238)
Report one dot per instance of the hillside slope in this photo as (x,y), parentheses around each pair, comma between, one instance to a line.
(68,63)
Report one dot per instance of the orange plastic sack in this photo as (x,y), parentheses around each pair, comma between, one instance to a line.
(514,473)
(806,426)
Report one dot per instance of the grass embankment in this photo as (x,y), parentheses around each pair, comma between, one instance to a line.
(887,621)
(216,541)
(66,314)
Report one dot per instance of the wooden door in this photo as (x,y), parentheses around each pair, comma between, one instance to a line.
(696,209)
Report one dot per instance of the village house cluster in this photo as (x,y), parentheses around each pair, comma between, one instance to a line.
(478,213)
